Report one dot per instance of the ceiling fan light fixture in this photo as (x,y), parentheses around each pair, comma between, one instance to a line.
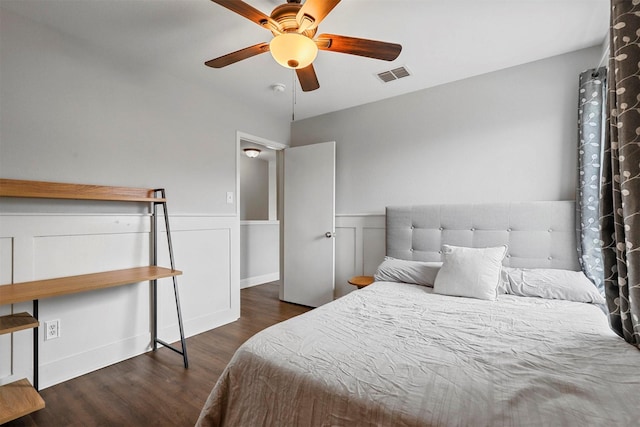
(293,50)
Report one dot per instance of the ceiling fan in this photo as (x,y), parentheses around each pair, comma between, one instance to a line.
(294,26)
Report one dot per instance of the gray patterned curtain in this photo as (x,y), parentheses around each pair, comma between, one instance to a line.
(590,141)
(620,195)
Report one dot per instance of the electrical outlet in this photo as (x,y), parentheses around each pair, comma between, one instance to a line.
(51,329)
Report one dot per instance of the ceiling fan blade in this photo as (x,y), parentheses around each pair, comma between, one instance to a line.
(249,12)
(308,79)
(238,55)
(313,12)
(362,47)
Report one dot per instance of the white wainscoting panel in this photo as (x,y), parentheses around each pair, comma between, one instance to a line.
(6,271)
(360,248)
(103,327)
(345,259)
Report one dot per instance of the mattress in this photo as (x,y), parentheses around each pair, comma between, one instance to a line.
(396,354)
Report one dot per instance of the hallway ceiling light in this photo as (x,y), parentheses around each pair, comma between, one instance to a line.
(252,152)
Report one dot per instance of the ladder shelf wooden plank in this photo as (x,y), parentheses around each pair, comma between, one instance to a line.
(18,399)
(60,190)
(17,322)
(39,289)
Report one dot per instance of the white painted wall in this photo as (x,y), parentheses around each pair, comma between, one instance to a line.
(72,112)
(507,135)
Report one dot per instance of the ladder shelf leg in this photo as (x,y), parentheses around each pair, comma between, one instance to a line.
(156,340)
(35,348)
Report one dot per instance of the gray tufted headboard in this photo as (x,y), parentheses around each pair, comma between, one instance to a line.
(538,234)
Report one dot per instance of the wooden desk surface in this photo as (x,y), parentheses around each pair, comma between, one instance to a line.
(39,289)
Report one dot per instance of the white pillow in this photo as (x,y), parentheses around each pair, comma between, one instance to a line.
(405,271)
(470,272)
(551,284)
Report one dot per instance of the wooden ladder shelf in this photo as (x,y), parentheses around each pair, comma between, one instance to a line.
(20,398)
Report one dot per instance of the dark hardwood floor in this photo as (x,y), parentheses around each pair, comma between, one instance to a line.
(154,389)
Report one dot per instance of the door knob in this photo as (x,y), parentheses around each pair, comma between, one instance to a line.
(328,234)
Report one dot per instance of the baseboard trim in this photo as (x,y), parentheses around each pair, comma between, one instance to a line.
(259,280)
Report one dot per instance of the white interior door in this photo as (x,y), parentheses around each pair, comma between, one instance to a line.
(309,224)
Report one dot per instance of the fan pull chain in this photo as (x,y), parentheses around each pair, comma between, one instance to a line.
(293,95)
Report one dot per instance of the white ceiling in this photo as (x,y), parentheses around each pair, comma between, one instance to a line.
(443,41)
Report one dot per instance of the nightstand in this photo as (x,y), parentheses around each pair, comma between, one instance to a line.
(361,281)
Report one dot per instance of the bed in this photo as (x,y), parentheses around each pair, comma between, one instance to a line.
(406,354)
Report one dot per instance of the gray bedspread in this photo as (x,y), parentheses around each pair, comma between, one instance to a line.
(398,355)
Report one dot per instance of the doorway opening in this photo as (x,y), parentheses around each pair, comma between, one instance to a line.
(257,207)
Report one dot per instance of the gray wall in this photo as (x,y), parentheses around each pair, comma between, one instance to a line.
(254,189)
(506,135)
(75,113)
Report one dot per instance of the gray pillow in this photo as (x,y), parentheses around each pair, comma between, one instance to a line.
(551,284)
(405,271)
